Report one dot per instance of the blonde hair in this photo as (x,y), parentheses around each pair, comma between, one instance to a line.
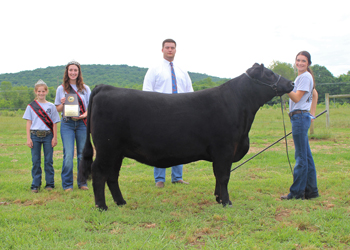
(40,85)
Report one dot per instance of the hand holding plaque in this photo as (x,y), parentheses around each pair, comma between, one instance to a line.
(71,106)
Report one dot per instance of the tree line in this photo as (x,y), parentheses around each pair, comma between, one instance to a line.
(16,89)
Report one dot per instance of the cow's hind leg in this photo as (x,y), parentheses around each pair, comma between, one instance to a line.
(98,183)
(113,184)
(222,176)
(106,169)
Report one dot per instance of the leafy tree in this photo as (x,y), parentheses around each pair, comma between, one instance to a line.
(284,69)
(6,90)
(21,99)
(5,104)
(344,77)
(50,97)
(322,74)
(203,84)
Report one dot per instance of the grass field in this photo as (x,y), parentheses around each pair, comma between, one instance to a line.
(185,216)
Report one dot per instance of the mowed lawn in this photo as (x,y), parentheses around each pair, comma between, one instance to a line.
(186,216)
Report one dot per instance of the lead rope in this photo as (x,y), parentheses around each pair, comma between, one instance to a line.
(285,136)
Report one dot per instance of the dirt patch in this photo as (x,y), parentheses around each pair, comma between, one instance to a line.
(282,213)
(12,145)
(148,225)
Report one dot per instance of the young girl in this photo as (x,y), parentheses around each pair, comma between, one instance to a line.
(302,107)
(72,128)
(42,118)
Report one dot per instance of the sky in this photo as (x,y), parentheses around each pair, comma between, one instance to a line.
(220,38)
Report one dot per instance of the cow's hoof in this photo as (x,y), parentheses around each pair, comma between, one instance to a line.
(101,208)
(229,204)
(120,203)
(218,200)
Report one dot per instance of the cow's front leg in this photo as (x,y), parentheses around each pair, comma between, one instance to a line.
(222,175)
(217,192)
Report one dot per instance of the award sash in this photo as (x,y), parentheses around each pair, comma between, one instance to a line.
(40,112)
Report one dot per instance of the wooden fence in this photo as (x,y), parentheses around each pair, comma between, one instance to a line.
(327,96)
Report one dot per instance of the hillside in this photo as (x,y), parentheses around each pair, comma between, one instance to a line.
(16,89)
(116,75)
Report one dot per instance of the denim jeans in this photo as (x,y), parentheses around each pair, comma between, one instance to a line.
(176,173)
(304,183)
(71,131)
(48,161)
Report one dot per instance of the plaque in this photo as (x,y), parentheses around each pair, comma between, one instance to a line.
(71,106)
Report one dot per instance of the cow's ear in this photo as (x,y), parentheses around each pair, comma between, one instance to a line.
(255,71)
(262,68)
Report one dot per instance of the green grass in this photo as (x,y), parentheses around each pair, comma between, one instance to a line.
(185,216)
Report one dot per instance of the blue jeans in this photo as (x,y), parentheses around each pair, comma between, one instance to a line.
(48,161)
(176,173)
(71,131)
(305,182)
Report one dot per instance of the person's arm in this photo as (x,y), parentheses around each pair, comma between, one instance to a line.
(188,83)
(148,81)
(59,100)
(29,140)
(82,116)
(296,96)
(314,102)
(60,107)
(54,139)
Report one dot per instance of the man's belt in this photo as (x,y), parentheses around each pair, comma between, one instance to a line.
(70,118)
(40,133)
(297,112)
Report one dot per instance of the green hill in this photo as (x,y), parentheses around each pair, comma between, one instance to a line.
(16,89)
(116,75)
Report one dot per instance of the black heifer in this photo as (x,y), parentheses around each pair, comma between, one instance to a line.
(165,130)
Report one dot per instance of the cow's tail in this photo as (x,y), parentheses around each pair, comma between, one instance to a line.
(88,152)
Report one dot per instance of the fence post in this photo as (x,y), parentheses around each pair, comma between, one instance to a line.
(327,108)
(312,128)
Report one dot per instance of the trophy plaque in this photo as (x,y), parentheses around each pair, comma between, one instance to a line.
(71,106)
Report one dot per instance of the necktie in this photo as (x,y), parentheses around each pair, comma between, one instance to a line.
(173,79)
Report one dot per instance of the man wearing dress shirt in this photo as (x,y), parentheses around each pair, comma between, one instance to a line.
(159,79)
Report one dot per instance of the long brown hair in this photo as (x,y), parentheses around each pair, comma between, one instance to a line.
(80,81)
(308,56)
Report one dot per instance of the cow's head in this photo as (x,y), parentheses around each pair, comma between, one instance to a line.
(267,77)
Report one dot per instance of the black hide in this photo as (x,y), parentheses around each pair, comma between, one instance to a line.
(164,130)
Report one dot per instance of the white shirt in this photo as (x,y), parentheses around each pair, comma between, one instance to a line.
(37,123)
(303,82)
(158,79)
